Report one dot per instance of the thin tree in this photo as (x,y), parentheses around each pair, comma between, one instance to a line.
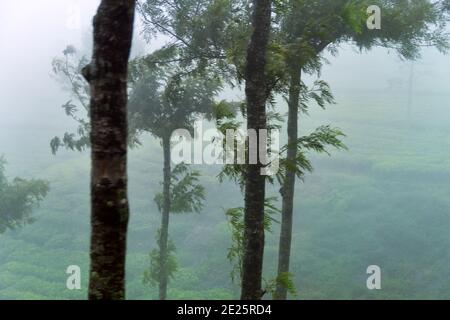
(306,29)
(107,76)
(164,99)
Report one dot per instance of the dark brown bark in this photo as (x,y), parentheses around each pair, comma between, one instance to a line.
(288,188)
(164,232)
(256,93)
(107,76)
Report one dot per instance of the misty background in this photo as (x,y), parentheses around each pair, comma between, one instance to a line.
(386,201)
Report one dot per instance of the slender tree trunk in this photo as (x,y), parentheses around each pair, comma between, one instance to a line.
(256,93)
(107,76)
(164,232)
(288,189)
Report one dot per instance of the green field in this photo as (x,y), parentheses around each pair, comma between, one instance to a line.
(386,201)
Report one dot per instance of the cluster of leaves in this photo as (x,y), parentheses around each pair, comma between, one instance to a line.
(304,26)
(235,218)
(67,70)
(207,35)
(318,142)
(152,274)
(186,193)
(164,98)
(408,26)
(285,280)
(17,199)
(319,92)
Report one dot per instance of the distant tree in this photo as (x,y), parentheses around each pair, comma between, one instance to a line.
(18,199)
(107,76)
(164,99)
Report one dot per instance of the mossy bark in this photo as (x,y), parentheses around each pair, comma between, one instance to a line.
(256,94)
(107,76)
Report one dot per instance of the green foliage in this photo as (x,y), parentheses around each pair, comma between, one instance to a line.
(318,142)
(235,172)
(165,98)
(186,193)
(285,280)
(152,274)
(203,32)
(407,26)
(18,199)
(225,110)
(67,71)
(212,36)
(235,217)
(319,92)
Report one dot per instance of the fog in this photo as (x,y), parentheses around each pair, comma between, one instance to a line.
(32,34)
(385,201)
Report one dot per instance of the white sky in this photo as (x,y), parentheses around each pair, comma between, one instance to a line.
(32,32)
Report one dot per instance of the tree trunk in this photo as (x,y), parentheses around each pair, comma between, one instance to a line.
(164,232)
(107,76)
(288,188)
(256,93)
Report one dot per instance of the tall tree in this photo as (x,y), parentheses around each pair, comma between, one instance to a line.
(18,199)
(163,99)
(307,28)
(256,96)
(107,76)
